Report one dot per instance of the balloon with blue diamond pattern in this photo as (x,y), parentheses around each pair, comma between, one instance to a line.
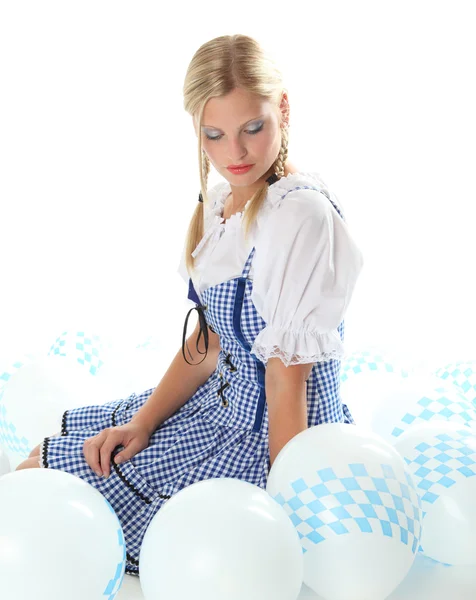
(9,441)
(87,348)
(365,376)
(463,375)
(35,397)
(354,505)
(442,458)
(420,399)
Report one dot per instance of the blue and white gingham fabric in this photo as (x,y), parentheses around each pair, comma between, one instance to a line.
(438,403)
(221,431)
(355,498)
(440,462)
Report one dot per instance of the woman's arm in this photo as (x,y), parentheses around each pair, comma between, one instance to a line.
(286,398)
(179,383)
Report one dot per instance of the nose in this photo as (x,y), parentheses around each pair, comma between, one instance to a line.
(236,151)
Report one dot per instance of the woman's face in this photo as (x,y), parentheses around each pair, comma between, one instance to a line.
(241,129)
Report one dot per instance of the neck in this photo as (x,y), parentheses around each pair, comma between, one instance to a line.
(239,196)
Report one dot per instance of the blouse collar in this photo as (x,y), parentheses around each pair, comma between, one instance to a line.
(214,225)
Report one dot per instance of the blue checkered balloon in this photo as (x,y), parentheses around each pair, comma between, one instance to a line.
(354,505)
(463,375)
(365,376)
(442,458)
(420,399)
(88,349)
(10,439)
(371,360)
(34,399)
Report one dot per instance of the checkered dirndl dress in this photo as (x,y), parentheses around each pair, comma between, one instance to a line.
(221,431)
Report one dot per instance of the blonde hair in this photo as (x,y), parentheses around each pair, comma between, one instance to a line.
(216,69)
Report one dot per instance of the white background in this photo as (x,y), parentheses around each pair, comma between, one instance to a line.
(99,174)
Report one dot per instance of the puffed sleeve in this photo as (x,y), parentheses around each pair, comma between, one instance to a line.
(306,265)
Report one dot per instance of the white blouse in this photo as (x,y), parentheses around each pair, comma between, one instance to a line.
(304,270)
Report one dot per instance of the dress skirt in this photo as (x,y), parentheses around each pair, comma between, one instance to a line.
(185,449)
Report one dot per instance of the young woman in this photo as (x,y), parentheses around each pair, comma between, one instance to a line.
(271,267)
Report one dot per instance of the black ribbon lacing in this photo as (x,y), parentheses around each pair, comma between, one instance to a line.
(201,309)
(203,330)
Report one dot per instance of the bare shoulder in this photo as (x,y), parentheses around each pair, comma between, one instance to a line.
(290,168)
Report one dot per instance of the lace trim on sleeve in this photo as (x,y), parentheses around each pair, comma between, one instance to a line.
(297,347)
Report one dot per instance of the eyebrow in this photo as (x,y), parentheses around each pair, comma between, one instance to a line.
(211,126)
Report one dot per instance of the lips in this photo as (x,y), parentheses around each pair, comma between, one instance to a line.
(238,166)
(240,170)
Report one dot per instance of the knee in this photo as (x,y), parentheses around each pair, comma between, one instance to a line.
(35,452)
(29,463)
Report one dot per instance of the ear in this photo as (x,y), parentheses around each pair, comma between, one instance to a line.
(284,107)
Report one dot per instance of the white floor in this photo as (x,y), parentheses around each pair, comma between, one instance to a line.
(425,581)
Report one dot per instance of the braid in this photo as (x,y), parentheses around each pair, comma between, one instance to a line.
(205,167)
(283,153)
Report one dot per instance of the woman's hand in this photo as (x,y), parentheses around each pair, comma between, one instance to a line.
(98,450)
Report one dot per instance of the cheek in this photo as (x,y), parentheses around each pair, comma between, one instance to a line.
(270,144)
(212,149)
(217,159)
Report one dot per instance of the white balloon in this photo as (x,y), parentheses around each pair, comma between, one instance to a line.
(59,538)
(363,394)
(419,399)
(35,398)
(364,377)
(442,457)
(354,505)
(221,538)
(4,462)
(126,372)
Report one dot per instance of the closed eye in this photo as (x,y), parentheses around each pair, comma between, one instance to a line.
(249,131)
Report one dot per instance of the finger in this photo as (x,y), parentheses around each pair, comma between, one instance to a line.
(91,450)
(135,446)
(127,453)
(106,451)
(118,458)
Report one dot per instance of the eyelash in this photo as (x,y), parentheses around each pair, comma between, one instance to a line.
(250,132)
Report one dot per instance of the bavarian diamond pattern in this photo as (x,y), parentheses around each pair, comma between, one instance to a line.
(84,348)
(151,343)
(463,375)
(356,498)
(9,437)
(437,464)
(115,583)
(437,404)
(5,375)
(366,361)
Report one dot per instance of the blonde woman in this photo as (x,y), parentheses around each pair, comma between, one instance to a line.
(271,266)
